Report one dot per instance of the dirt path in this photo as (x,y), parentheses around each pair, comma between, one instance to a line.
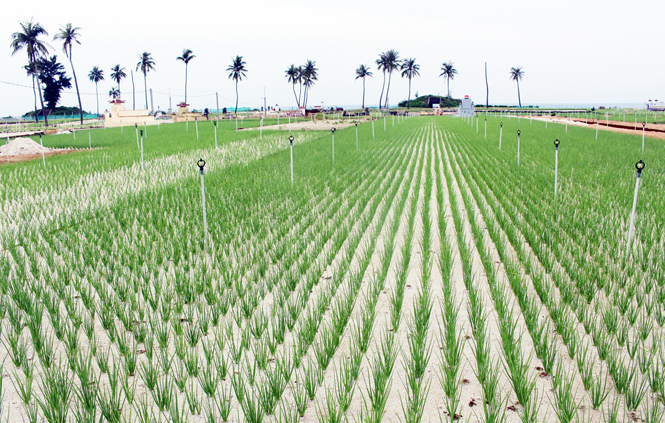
(27,157)
(652,130)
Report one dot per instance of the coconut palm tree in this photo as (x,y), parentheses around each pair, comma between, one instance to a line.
(516,74)
(114,93)
(28,39)
(145,64)
(381,64)
(69,35)
(117,73)
(238,71)
(363,72)
(293,75)
(410,69)
(32,71)
(186,57)
(392,64)
(448,72)
(95,76)
(309,74)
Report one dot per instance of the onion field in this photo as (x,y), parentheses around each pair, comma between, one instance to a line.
(429,273)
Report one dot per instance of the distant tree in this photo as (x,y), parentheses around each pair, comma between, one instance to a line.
(114,93)
(309,74)
(186,57)
(238,71)
(363,72)
(448,72)
(96,75)
(392,64)
(293,75)
(516,74)
(69,35)
(28,39)
(410,69)
(52,75)
(145,65)
(117,73)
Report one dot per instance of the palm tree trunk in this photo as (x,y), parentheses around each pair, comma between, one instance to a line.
(41,101)
(133,91)
(408,100)
(448,82)
(185,83)
(97,95)
(145,84)
(76,83)
(300,95)
(382,88)
(519,99)
(236,96)
(34,92)
(295,95)
(363,93)
(390,77)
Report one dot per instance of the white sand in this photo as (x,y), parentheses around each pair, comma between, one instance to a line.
(20,146)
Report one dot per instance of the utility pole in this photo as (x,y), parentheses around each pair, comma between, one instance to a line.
(152,103)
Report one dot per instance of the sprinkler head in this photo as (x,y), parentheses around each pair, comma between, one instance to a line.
(639,166)
(333,131)
(136,125)
(201,164)
(518,132)
(141,132)
(356,124)
(502,124)
(643,124)
(215,122)
(556,143)
(291,139)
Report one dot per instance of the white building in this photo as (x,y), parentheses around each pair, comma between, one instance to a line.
(467,108)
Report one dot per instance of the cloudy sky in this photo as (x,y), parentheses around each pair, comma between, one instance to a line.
(573,52)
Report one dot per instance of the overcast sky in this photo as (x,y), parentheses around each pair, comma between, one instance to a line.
(584,51)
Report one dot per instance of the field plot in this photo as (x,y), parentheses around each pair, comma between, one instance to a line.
(424,275)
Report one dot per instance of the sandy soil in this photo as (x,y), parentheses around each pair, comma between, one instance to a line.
(652,130)
(28,157)
(309,125)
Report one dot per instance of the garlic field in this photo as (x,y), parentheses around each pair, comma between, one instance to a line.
(424,275)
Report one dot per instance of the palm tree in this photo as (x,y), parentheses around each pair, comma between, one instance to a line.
(448,72)
(381,63)
(238,71)
(28,38)
(392,64)
(309,74)
(117,73)
(95,76)
(32,71)
(516,74)
(186,57)
(145,64)
(363,72)
(69,36)
(410,69)
(114,93)
(293,75)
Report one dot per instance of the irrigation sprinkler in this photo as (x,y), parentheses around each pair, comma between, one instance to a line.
(42,144)
(384,122)
(373,129)
(7,142)
(556,164)
(518,147)
(196,123)
(597,124)
(187,124)
(566,126)
(393,121)
(215,122)
(89,140)
(500,135)
(356,135)
(145,127)
(643,129)
(141,149)
(291,142)
(639,166)
(333,146)
(261,128)
(136,127)
(485,128)
(477,119)
(74,132)
(201,164)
